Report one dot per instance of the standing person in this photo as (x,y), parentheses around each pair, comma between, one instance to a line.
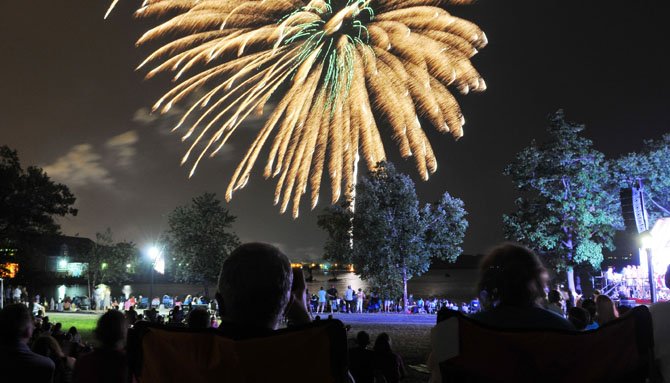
(16,295)
(332,297)
(108,362)
(322,300)
(360,298)
(17,362)
(107,299)
(349,299)
(609,276)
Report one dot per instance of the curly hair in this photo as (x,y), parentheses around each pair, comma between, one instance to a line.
(511,275)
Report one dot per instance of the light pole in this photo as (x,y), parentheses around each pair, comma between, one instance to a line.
(154,254)
(648,243)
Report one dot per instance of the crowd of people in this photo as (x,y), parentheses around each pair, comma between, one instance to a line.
(101,301)
(358,301)
(632,282)
(513,295)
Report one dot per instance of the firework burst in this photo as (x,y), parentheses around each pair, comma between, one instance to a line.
(343,67)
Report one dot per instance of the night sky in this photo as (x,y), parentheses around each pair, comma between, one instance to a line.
(71,102)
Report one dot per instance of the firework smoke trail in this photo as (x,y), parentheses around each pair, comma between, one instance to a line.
(343,67)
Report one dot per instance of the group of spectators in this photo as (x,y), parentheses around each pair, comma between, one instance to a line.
(512,296)
(357,301)
(379,364)
(586,313)
(351,301)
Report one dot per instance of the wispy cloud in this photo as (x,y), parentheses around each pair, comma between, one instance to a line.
(79,167)
(123,147)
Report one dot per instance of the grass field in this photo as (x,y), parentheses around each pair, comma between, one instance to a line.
(85,323)
(411,339)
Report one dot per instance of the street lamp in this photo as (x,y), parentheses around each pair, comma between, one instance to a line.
(647,241)
(154,254)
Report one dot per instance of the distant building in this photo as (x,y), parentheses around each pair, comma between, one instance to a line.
(50,261)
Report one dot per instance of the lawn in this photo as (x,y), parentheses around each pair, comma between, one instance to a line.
(411,340)
(85,323)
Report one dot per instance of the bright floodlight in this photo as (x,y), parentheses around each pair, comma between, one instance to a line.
(62,264)
(646,240)
(154,253)
(157,259)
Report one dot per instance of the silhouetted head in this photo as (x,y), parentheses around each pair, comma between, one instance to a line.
(590,306)
(554,296)
(111,329)
(605,309)
(198,318)
(16,324)
(383,343)
(579,317)
(511,275)
(363,339)
(238,287)
(47,346)
(667,277)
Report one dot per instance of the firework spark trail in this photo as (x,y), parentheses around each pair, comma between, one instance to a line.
(347,67)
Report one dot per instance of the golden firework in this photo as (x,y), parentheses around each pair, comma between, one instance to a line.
(344,68)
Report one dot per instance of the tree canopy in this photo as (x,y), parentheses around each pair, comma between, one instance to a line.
(29,201)
(388,237)
(651,166)
(568,209)
(199,238)
(108,261)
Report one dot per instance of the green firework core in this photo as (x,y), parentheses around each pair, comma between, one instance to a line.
(341,26)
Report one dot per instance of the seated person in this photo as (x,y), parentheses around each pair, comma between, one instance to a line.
(511,289)
(198,318)
(579,318)
(47,346)
(361,360)
(108,362)
(17,362)
(590,306)
(282,291)
(389,366)
(176,315)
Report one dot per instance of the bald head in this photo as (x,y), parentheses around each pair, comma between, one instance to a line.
(255,285)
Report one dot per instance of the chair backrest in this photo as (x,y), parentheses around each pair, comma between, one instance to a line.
(316,352)
(620,351)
